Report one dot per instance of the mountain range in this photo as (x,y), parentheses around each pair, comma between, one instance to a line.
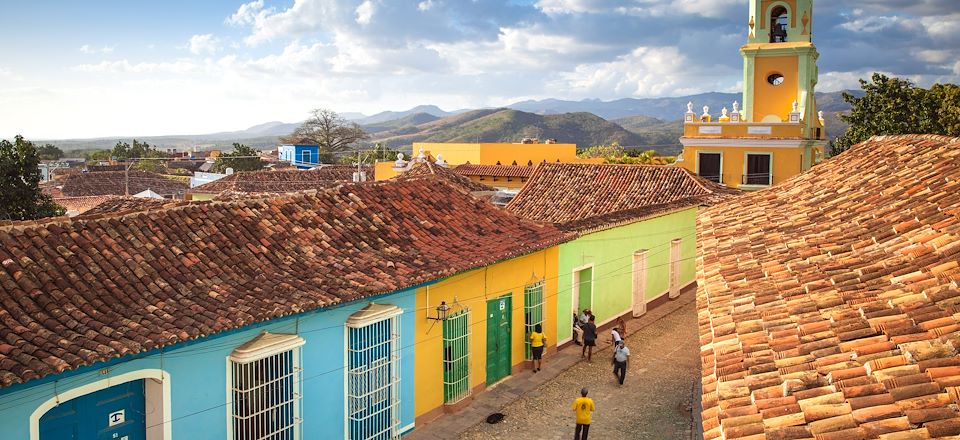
(649,123)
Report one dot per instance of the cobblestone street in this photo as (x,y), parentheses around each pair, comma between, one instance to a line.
(654,403)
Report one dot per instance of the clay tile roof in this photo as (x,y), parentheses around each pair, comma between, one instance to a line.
(431,170)
(119,205)
(280,181)
(77,292)
(112,182)
(80,205)
(829,304)
(494,170)
(589,196)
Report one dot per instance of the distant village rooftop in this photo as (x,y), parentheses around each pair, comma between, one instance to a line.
(280,181)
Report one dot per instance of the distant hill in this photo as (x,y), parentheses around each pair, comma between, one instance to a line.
(654,134)
(382,117)
(507,125)
(665,109)
(400,123)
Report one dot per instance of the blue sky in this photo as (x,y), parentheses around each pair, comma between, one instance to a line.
(122,68)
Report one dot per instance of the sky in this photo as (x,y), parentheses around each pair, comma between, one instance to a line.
(73,69)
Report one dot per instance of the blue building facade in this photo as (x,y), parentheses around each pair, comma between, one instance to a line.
(343,372)
(300,155)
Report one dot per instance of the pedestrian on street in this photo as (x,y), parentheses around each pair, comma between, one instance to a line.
(622,325)
(537,342)
(583,406)
(577,330)
(621,355)
(589,338)
(615,336)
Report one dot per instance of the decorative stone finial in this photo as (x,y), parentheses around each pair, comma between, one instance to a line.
(690,107)
(706,110)
(399,156)
(796,106)
(820,114)
(440,162)
(724,112)
(736,107)
(422,155)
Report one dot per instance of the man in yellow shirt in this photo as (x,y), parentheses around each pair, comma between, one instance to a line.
(583,406)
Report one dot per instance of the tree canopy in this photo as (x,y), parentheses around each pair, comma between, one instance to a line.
(614,153)
(897,106)
(20,195)
(49,152)
(326,128)
(239,160)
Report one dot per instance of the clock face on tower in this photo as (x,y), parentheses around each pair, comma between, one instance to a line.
(775,79)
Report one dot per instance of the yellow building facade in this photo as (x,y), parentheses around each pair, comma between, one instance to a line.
(486,153)
(483,338)
(779,133)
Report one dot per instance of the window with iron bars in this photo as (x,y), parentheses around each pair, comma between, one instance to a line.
(532,312)
(265,384)
(373,380)
(456,357)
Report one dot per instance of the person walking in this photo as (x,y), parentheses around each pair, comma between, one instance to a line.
(537,342)
(615,336)
(589,338)
(577,331)
(583,407)
(621,355)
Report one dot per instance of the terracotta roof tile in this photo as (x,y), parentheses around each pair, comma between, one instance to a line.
(80,205)
(197,269)
(517,171)
(113,183)
(123,205)
(584,197)
(847,276)
(431,170)
(280,181)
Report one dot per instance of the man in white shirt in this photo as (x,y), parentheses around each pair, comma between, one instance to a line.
(621,355)
(615,336)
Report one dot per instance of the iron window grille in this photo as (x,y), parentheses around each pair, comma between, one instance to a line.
(532,312)
(456,357)
(373,379)
(265,380)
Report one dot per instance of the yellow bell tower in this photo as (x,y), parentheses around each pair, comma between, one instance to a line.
(779,132)
(780,63)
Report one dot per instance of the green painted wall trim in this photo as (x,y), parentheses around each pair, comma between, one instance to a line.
(610,253)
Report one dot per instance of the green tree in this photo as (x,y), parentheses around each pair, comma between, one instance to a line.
(49,152)
(897,106)
(123,151)
(240,160)
(614,153)
(20,195)
(334,134)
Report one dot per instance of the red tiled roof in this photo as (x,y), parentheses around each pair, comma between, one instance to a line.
(431,170)
(73,293)
(494,170)
(80,205)
(828,305)
(281,181)
(119,205)
(587,196)
(112,183)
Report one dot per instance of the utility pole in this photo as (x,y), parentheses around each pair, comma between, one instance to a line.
(126,179)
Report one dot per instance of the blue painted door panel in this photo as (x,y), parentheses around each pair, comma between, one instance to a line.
(89,417)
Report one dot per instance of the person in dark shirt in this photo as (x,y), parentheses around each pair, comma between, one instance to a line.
(589,338)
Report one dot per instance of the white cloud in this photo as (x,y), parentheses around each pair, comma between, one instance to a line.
(647,72)
(365,12)
(426,5)
(876,23)
(203,44)
(87,49)
(247,14)
(124,66)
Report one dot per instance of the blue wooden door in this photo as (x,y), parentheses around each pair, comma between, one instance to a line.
(115,413)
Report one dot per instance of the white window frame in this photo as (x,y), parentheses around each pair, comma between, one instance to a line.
(575,300)
(529,308)
(675,253)
(639,283)
(252,357)
(460,386)
(721,179)
(357,379)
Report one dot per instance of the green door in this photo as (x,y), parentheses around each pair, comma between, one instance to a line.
(498,339)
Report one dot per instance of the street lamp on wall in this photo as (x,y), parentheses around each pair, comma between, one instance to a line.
(442,310)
